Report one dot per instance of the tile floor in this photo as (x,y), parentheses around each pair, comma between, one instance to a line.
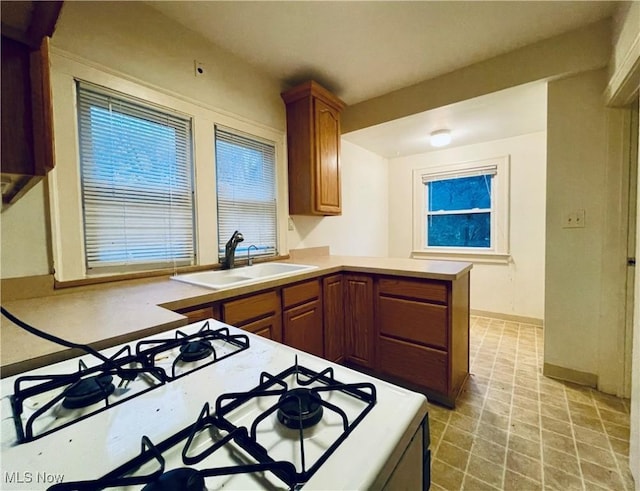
(515,429)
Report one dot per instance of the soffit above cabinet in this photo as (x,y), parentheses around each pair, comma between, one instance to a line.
(29,21)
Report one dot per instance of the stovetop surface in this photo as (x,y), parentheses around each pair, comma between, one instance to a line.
(96,445)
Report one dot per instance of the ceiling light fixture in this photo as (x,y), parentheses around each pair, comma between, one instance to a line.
(440,138)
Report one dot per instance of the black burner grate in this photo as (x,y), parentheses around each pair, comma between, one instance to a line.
(90,386)
(221,432)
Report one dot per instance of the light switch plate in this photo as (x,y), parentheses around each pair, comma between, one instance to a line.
(574,219)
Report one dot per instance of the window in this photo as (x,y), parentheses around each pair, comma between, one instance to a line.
(136,179)
(462,208)
(246,191)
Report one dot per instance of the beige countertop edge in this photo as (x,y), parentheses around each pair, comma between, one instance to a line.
(141,307)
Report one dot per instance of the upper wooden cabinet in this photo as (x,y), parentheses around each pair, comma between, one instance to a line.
(313,140)
(27,114)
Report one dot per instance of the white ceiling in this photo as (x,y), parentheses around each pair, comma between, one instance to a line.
(363,49)
(503,114)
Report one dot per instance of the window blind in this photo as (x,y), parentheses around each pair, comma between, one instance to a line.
(136,178)
(246,191)
(490,170)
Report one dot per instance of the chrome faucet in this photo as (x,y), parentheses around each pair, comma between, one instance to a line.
(249,258)
(230,250)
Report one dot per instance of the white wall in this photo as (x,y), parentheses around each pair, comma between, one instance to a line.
(516,288)
(24,236)
(634,439)
(135,39)
(362,228)
(576,288)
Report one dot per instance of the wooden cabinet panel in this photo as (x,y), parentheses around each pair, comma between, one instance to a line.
(429,290)
(359,327)
(239,312)
(202,313)
(300,293)
(334,303)
(27,117)
(427,367)
(414,321)
(327,123)
(302,328)
(260,314)
(313,148)
(422,329)
(269,327)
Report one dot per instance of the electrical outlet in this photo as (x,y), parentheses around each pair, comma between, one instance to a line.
(291,225)
(199,68)
(573,219)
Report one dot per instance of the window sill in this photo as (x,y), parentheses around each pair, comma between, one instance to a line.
(474,257)
(94,280)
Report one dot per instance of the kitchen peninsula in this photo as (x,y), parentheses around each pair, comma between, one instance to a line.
(403,319)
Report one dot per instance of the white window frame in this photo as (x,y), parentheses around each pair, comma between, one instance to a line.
(252,233)
(99,200)
(65,199)
(499,250)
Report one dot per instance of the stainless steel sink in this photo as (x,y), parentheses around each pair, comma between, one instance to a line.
(229,278)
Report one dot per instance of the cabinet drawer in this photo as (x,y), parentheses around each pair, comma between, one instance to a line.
(430,290)
(421,322)
(300,293)
(416,364)
(239,312)
(195,315)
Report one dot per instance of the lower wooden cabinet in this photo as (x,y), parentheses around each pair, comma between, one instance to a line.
(260,313)
(409,329)
(333,313)
(302,317)
(358,320)
(422,333)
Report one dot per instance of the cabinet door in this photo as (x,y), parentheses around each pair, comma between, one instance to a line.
(27,117)
(269,327)
(327,171)
(334,303)
(358,312)
(302,328)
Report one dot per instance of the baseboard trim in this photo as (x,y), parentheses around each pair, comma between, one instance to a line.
(508,317)
(570,375)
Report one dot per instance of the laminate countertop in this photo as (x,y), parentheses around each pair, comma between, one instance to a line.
(114,313)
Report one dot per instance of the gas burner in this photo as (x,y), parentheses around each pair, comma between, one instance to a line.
(300,408)
(176,355)
(88,391)
(184,479)
(195,350)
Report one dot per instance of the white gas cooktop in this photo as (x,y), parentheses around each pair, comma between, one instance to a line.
(107,438)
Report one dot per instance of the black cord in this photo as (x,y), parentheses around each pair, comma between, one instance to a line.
(55,339)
